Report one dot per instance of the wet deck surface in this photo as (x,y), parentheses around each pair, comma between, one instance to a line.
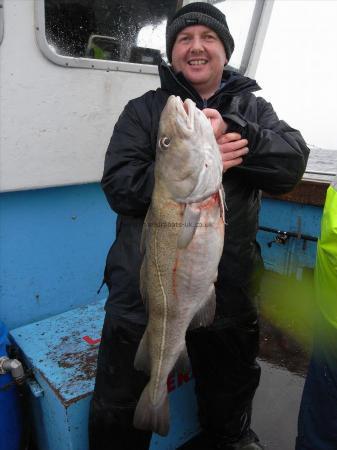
(276,407)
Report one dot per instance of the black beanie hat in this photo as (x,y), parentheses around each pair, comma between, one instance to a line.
(199,13)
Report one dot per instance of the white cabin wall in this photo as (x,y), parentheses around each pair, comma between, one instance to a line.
(56,122)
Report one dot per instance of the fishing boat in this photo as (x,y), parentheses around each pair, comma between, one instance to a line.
(67,70)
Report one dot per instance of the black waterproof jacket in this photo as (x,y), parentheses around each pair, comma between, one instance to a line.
(275,163)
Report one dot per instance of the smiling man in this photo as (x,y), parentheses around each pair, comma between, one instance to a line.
(200,55)
(259,152)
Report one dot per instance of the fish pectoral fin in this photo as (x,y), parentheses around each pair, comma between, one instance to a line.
(183,362)
(142,358)
(205,316)
(152,417)
(222,202)
(190,222)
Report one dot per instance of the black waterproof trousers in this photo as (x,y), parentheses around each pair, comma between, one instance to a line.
(223,359)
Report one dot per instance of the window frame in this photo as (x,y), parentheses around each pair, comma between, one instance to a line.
(84,63)
(253,46)
(2,27)
(255,37)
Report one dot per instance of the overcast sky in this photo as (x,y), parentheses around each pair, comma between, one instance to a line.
(298,67)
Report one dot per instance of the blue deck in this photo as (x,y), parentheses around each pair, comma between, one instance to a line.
(63,350)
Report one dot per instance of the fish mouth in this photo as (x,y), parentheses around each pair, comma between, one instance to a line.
(186,110)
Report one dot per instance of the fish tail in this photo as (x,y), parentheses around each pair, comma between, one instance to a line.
(152,417)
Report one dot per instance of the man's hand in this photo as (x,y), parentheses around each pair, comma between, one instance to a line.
(218,124)
(232,147)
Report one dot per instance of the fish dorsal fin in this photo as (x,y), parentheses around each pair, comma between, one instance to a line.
(144,233)
(190,222)
(142,283)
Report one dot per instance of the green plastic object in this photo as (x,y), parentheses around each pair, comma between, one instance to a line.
(326,260)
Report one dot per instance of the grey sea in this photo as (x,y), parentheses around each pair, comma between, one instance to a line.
(322,164)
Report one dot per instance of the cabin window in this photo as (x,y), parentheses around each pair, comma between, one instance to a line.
(125,31)
(122,34)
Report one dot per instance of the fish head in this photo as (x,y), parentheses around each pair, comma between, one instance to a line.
(188,160)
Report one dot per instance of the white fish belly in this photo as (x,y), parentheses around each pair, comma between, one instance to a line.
(197,265)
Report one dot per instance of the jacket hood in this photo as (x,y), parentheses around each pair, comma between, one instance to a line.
(234,84)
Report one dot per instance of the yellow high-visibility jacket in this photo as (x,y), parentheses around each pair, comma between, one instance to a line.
(326,260)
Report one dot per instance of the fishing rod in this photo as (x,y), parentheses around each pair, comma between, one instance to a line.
(282,236)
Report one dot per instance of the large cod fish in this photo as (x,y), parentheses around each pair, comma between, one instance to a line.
(182,242)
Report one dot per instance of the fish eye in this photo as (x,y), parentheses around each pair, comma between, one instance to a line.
(164,142)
